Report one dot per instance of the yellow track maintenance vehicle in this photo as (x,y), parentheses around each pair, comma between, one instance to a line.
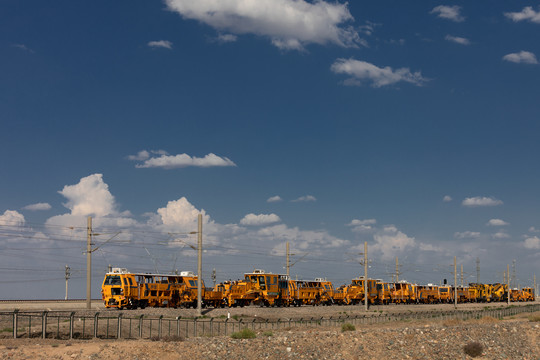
(428,294)
(403,293)
(258,287)
(122,289)
(384,292)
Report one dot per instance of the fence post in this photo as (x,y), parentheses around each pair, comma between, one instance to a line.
(96,316)
(16,323)
(44,324)
(141,326)
(160,320)
(178,326)
(119,327)
(71,323)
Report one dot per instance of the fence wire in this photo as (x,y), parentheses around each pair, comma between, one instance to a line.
(70,325)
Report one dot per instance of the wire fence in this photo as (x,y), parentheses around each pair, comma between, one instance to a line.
(70,325)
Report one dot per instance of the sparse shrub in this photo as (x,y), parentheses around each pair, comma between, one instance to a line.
(267,333)
(235,317)
(347,327)
(535,318)
(244,334)
(473,349)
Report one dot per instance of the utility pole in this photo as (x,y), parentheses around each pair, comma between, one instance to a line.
(365,277)
(455,283)
(89,263)
(535,287)
(68,274)
(461,275)
(514,281)
(288,261)
(397,270)
(508,271)
(199,265)
(214,276)
(478,270)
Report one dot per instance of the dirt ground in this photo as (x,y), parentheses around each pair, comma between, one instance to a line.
(517,337)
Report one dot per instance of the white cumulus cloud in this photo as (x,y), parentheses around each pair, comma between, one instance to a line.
(289,24)
(166,161)
(501,235)
(306,198)
(12,218)
(362,225)
(181,215)
(160,44)
(522,57)
(447,198)
(532,243)
(276,198)
(90,196)
(361,72)
(390,242)
(497,222)
(37,207)
(458,40)
(448,12)
(481,201)
(527,14)
(467,235)
(259,220)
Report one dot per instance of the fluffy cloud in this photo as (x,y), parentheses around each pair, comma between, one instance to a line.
(447,198)
(37,207)
(467,235)
(481,201)
(532,243)
(527,14)
(458,40)
(497,222)
(259,220)
(306,198)
(90,196)
(181,214)
(166,161)
(362,72)
(448,12)
(12,218)
(522,57)
(362,225)
(289,24)
(160,44)
(276,198)
(390,242)
(501,235)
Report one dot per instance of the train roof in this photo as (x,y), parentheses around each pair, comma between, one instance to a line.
(119,271)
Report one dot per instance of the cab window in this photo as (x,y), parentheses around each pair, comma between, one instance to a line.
(113,280)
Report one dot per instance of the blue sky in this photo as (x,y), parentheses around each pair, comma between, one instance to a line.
(412,126)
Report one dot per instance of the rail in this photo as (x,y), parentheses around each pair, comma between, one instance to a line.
(70,325)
